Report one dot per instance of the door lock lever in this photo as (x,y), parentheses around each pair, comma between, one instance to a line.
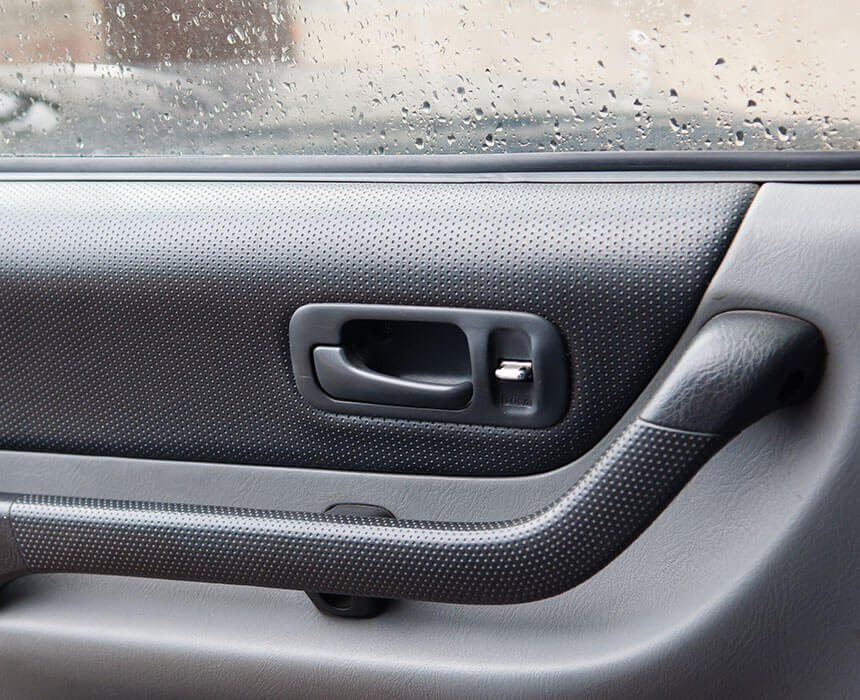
(514,371)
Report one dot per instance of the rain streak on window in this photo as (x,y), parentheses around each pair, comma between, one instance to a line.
(266,77)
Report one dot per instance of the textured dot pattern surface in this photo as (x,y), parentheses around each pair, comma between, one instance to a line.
(150,319)
(493,562)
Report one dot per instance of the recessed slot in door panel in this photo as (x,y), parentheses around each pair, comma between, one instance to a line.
(431,352)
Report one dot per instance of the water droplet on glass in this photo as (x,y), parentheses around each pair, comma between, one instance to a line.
(419,143)
(739,138)
(120,10)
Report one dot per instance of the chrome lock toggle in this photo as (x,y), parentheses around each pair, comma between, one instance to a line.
(514,371)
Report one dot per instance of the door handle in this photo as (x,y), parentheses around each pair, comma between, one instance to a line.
(740,367)
(431,363)
(346,380)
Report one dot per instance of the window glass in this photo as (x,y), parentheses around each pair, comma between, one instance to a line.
(448,76)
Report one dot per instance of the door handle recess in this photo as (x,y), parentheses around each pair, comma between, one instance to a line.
(740,367)
(343,379)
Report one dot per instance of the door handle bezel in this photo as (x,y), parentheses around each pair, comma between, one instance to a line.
(493,402)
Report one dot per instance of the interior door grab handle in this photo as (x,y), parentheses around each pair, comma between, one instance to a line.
(741,366)
(343,379)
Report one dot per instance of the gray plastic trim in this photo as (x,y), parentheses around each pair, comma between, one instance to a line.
(603,161)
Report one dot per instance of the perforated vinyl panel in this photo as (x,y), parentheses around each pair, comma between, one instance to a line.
(150,319)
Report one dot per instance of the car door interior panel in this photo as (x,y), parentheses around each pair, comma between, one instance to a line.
(599,434)
(411,349)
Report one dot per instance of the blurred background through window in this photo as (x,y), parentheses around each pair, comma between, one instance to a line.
(147,77)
